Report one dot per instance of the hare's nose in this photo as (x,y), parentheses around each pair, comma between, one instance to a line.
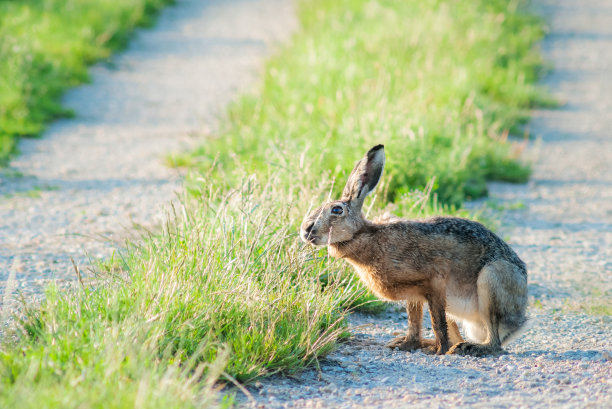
(309,234)
(310,229)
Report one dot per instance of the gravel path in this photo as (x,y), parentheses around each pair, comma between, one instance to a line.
(564,234)
(80,188)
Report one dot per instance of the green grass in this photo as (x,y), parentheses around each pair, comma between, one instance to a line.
(33,193)
(45,48)
(593,300)
(229,276)
(439,83)
(227,291)
(601,309)
(587,298)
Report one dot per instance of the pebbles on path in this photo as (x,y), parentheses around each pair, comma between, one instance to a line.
(78,190)
(564,234)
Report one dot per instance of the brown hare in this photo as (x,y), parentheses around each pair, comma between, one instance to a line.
(461,269)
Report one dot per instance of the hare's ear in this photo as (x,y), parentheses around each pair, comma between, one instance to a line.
(365,176)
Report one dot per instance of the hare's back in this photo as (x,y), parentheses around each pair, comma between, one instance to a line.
(471,233)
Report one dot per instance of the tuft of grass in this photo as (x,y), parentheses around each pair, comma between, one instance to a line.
(10,173)
(227,292)
(601,309)
(593,300)
(33,193)
(45,48)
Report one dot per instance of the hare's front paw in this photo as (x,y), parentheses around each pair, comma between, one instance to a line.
(468,348)
(406,343)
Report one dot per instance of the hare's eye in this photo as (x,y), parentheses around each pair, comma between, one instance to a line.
(337,210)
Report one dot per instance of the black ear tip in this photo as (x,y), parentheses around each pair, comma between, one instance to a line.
(377,148)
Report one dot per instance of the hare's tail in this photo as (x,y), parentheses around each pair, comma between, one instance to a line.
(509,334)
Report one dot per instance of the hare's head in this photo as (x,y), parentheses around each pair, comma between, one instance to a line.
(339,220)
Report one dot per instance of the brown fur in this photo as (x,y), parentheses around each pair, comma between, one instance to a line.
(460,268)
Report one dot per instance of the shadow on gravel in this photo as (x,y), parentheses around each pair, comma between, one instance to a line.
(575,355)
(23,184)
(550,290)
(572,182)
(565,227)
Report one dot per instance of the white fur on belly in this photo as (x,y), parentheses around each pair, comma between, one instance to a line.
(475,332)
(463,308)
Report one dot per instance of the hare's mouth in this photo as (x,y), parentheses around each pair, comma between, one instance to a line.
(311,234)
(311,239)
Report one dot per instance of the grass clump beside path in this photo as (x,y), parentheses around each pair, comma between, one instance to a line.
(45,48)
(227,291)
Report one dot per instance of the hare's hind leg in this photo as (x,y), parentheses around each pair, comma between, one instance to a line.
(412,341)
(502,297)
(454,336)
